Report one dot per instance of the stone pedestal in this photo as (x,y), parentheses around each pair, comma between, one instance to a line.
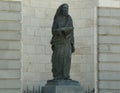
(62,86)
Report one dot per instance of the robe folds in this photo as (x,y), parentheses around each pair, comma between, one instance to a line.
(62,45)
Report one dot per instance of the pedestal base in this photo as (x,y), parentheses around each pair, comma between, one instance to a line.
(63,82)
(62,86)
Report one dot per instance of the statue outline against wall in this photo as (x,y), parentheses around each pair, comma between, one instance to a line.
(62,43)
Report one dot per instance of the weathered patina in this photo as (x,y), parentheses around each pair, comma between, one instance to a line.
(62,43)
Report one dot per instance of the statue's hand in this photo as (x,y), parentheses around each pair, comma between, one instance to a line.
(63,29)
(67,28)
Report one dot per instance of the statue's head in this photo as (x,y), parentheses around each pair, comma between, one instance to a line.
(65,9)
(62,10)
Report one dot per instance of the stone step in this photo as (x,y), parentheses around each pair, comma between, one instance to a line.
(62,86)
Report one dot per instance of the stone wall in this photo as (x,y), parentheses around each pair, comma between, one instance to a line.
(109,3)
(10,47)
(37,21)
(109,50)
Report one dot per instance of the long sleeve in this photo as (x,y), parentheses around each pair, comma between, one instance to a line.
(55,30)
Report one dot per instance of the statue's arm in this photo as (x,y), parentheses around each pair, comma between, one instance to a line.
(66,29)
(56,32)
(55,29)
(63,29)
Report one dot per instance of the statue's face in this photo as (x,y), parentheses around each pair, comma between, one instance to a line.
(65,10)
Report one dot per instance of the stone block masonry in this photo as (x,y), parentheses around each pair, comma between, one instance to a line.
(10,47)
(108,50)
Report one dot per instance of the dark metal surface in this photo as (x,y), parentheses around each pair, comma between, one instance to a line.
(62,43)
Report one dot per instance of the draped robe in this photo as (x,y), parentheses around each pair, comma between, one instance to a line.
(62,45)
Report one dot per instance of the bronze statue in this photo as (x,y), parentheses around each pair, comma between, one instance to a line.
(62,43)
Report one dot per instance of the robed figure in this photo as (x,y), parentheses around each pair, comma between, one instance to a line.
(62,43)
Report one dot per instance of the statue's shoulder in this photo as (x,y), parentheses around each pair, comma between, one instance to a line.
(57,18)
(69,16)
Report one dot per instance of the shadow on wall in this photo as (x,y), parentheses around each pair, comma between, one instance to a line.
(38,90)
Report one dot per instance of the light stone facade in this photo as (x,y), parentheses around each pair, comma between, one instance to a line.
(10,47)
(109,3)
(35,62)
(108,50)
(37,22)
